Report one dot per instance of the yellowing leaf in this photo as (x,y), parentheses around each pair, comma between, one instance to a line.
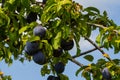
(106,55)
(118,41)
(89,65)
(1,73)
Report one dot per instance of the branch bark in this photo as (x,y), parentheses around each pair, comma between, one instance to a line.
(76,62)
(103,27)
(95,45)
(86,52)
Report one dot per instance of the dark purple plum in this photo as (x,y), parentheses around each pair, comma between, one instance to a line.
(44,1)
(31,48)
(57,52)
(57,78)
(67,44)
(59,67)
(53,78)
(106,74)
(39,31)
(39,58)
(31,17)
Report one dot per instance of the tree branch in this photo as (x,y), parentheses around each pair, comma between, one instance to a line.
(95,45)
(86,52)
(103,27)
(76,62)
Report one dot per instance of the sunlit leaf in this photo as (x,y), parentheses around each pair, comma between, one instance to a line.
(23,29)
(92,9)
(34,38)
(56,42)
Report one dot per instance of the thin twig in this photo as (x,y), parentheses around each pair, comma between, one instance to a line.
(76,62)
(95,45)
(98,25)
(103,27)
(86,52)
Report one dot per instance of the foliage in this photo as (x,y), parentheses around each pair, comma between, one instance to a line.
(63,19)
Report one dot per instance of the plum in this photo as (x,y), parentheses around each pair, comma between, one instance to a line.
(57,52)
(31,48)
(44,1)
(67,44)
(57,78)
(53,78)
(39,58)
(59,67)
(106,74)
(39,31)
(31,17)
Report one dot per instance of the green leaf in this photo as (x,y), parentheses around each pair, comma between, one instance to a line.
(45,70)
(23,29)
(34,38)
(98,39)
(26,3)
(63,77)
(65,31)
(92,9)
(56,41)
(78,71)
(21,59)
(46,17)
(89,57)
(105,13)
(60,3)
(86,75)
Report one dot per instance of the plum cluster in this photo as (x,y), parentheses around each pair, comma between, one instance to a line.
(33,49)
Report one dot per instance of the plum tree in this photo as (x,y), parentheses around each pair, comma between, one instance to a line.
(67,44)
(65,23)
(106,74)
(39,31)
(57,52)
(31,17)
(31,48)
(59,67)
(39,58)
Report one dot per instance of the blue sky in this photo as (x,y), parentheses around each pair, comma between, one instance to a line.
(31,71)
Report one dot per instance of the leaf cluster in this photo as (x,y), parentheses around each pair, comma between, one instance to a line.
(63,19)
